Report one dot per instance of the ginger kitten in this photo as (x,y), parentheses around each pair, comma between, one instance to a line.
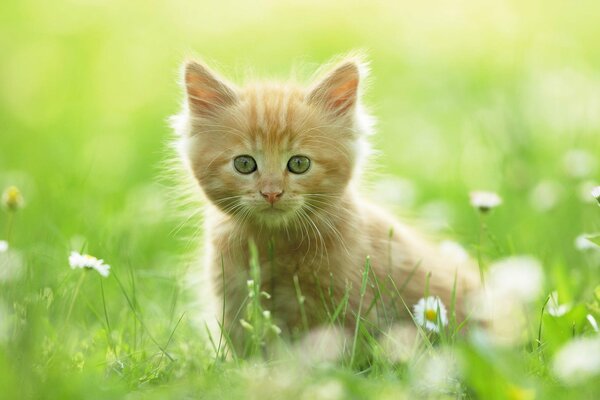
(278,164)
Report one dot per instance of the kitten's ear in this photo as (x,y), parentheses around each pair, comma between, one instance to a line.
(338,91)
(206,92)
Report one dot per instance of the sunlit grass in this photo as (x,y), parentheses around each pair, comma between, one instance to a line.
(500,96)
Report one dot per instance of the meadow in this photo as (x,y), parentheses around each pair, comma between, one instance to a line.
(476,95)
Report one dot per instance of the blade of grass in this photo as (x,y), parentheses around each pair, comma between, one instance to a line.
(108,328)
(363,289)
(300,300)
(138,318)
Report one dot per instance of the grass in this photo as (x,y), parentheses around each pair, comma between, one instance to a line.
(483,95)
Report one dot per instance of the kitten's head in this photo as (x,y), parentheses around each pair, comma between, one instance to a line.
(269,152)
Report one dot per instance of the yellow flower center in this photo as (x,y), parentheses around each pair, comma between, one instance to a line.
(12,198)
(89,258)
(431,315)
(13,193)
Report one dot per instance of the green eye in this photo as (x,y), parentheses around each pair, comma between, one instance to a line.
(244,164)
(299,164)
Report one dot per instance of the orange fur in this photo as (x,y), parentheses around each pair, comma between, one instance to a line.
(321,229)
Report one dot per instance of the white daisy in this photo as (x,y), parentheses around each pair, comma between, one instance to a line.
(436,373)
(454,252)
(556,309)
(502,315)
(485,201)
(437,214)
(321,345)
(579,163)
(582,243)
(430,312)
(516,277)
(3,246)
(584,189)
(545,195)
(511,284)
(11,264)
(578,360)
(77,260)
(400,342)
(596,193)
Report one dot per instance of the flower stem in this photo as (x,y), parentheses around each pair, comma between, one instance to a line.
(9,225)
(482,229)
(79,283)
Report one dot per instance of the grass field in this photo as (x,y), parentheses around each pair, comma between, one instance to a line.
(477,95)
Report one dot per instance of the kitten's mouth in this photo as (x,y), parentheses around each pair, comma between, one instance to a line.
(275,210)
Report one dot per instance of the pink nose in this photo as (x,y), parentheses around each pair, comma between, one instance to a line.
(272,197)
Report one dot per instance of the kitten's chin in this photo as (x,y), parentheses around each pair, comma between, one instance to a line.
(274,216)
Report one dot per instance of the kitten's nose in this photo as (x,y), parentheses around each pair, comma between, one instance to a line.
(272,197)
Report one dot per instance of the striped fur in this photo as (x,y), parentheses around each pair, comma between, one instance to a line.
(321,231)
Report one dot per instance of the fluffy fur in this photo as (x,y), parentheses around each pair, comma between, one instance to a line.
(320,230)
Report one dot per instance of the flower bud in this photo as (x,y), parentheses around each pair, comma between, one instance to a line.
(12,199)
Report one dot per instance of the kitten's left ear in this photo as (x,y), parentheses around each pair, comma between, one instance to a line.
(338,91)
(206,91)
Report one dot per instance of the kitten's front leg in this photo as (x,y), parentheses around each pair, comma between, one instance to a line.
(230,283)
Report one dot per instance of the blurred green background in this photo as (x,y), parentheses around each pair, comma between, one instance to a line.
(497,95)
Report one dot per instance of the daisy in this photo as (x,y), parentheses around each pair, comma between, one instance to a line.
(11,263)
(436,373)
(596,193)
(545,195)
(582,243)
(502,316)
(518,278)
(579,163)
(454,252)
(77,260)
(556,309)
(428,311)
(485,201)
(578,360)
(399,342)
(322,345)
(12,199)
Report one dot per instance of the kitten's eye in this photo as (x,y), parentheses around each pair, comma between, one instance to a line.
(244,164)
(299,164)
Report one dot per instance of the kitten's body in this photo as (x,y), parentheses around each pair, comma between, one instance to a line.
(318,231)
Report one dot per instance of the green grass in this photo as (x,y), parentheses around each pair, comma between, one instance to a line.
(481,95)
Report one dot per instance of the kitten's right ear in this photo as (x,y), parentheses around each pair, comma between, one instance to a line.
(338,91)
(206,92)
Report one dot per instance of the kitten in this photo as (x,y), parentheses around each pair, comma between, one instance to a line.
(278,164)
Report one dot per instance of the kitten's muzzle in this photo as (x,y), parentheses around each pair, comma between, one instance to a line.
(272,197)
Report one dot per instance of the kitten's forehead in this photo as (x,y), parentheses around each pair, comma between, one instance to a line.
(274,112)
(276,119)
